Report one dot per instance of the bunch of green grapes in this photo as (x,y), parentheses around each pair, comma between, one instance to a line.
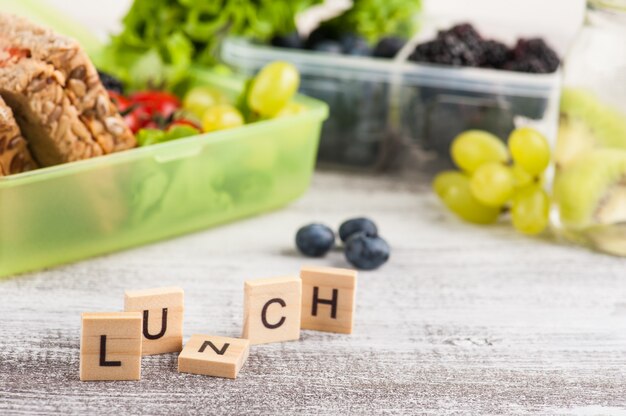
(495,179)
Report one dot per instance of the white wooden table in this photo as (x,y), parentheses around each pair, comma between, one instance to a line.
(462,320)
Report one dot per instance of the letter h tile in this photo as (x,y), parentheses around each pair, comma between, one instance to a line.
(328,299)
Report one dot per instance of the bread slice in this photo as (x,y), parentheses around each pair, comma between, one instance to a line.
(47,118)
(80,78)
(14,154)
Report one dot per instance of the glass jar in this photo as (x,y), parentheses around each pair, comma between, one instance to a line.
(590,155)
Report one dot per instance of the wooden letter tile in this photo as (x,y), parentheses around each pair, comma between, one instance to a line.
(110,346)
(271,310)
(328,299)
(213,356)
(162,312)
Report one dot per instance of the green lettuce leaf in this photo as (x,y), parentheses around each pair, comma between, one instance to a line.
(374,19)
(147,137)
(162,38)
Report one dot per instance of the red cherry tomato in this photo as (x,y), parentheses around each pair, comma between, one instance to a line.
(158,103)
(139,118)
(119,100)
(144,109)
(132,121)
(151,125)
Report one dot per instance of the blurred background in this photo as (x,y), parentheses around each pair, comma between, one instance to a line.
(564,16)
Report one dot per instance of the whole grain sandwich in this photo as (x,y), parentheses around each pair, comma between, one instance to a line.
(47,118)
(14,154)
(62,109)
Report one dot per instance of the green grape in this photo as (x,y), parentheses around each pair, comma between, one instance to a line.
(445,181)
(521,178)
(273,88)
(454,190)
(199,99)
(220,117)
(529,150)
(492,184)
(291,109)
(530,210)
(474,148)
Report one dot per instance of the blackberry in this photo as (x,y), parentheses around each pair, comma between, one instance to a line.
(459,46)
(388,47)
(425,52)
(495,54)
(462,45)
(453,51)
(528,64)
(110,82)
(447,50)
(537,48)
(466,33)
(460,53)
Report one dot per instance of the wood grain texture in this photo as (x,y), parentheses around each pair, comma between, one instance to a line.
(214,356)
(272,309)
(114,337)
(165,308)
(328,299)
(462,320)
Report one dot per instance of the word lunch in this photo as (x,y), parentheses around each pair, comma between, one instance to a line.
(275,310)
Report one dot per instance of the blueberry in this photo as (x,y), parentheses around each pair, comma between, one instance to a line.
(315,240)
(356,225)
(292,40)
(388,47)
(328,46)
(354,45)
(322,33)
(366,252)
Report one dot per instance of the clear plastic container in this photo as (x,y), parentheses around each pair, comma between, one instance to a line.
(386,113)
(590,186)
(70,212)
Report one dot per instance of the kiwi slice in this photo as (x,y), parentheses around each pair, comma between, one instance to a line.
(587,123)
(591,197)
(592,190)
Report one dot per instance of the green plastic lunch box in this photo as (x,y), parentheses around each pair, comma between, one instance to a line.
(70,212)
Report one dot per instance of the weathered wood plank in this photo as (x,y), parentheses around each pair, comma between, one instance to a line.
(463,320)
